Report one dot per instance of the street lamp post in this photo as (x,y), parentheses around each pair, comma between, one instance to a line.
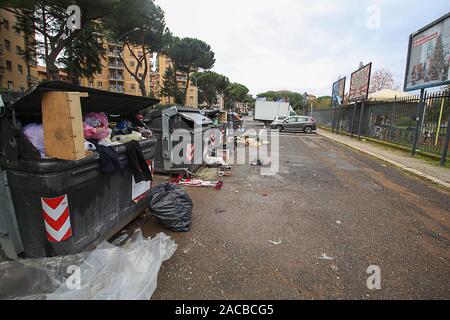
(128,33)
(196,82)
(197,78)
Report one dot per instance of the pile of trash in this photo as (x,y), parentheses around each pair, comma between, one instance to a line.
(247,141)
(129,272)
(98,131)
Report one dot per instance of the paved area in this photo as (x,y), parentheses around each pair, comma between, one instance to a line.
(402,159)
(264,237)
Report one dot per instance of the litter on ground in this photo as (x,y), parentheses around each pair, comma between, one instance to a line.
(275,242)
(325,257)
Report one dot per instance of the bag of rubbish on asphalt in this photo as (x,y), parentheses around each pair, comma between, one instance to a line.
(107,273)
(172,206)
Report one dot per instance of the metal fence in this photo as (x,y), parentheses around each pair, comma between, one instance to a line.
(396,121)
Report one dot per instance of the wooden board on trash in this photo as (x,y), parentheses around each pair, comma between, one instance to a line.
(63,125)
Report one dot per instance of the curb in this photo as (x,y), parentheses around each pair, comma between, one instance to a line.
(415,172)
(391,145)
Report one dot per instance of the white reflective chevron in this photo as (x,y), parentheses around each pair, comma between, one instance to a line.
(58,235)
(55,214)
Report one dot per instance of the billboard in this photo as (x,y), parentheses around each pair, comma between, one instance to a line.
(359,83)
(338,91)
(428,59)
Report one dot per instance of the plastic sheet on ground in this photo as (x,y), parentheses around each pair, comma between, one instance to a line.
(107,273)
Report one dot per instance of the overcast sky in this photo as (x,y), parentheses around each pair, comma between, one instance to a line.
(301,45)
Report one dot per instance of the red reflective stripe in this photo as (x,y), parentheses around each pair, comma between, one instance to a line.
(57,219)
(66,236)
(57,224)
(54,202)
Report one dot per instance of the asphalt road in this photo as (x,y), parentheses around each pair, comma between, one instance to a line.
(325,199)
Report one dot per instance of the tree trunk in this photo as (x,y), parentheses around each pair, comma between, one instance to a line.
(52,69)
(142,87)
(44,25)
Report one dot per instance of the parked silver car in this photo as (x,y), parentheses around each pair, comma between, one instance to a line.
(295,123)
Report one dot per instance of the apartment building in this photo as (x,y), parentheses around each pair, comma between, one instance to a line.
(157,83)
(15,73)
(114,76)
(42,74)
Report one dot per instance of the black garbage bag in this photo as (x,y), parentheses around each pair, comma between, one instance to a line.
(172,206)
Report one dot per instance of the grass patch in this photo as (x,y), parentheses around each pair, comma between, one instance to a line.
(430,158)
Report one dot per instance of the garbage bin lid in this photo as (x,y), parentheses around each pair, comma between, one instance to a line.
(98,100)
(195,117)
(212,113)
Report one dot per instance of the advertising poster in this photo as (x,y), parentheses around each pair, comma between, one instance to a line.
(338,91)
(359,84)
(429,56)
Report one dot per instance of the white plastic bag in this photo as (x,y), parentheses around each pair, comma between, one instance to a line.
(108,273)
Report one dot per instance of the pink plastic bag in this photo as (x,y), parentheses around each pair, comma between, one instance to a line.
(95,126)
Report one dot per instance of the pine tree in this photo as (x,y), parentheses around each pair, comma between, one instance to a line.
(82,57)
(437,63)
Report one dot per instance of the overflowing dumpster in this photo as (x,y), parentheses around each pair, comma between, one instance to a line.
(68,206)
(182,150)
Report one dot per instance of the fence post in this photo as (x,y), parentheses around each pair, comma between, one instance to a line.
(361,119)
(338,118)
(446,143)
(353,119)
(334,118)
(419,115)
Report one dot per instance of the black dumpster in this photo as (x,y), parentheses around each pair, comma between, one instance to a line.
(90,206)
(163,124)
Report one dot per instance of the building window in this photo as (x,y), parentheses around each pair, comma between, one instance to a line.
(139,54)
(131,63)
(133,87)
(6,24)
(10,85)
(91,83)
(18,49)
(99,84)
(20,68)
(7,44)
(140,75)
(8,65)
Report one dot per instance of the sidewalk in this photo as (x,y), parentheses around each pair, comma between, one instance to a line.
(401,159)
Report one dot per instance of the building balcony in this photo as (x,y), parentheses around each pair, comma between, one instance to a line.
(113,54)
(116,89)
(115,65)
(32,79)
(115,77)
